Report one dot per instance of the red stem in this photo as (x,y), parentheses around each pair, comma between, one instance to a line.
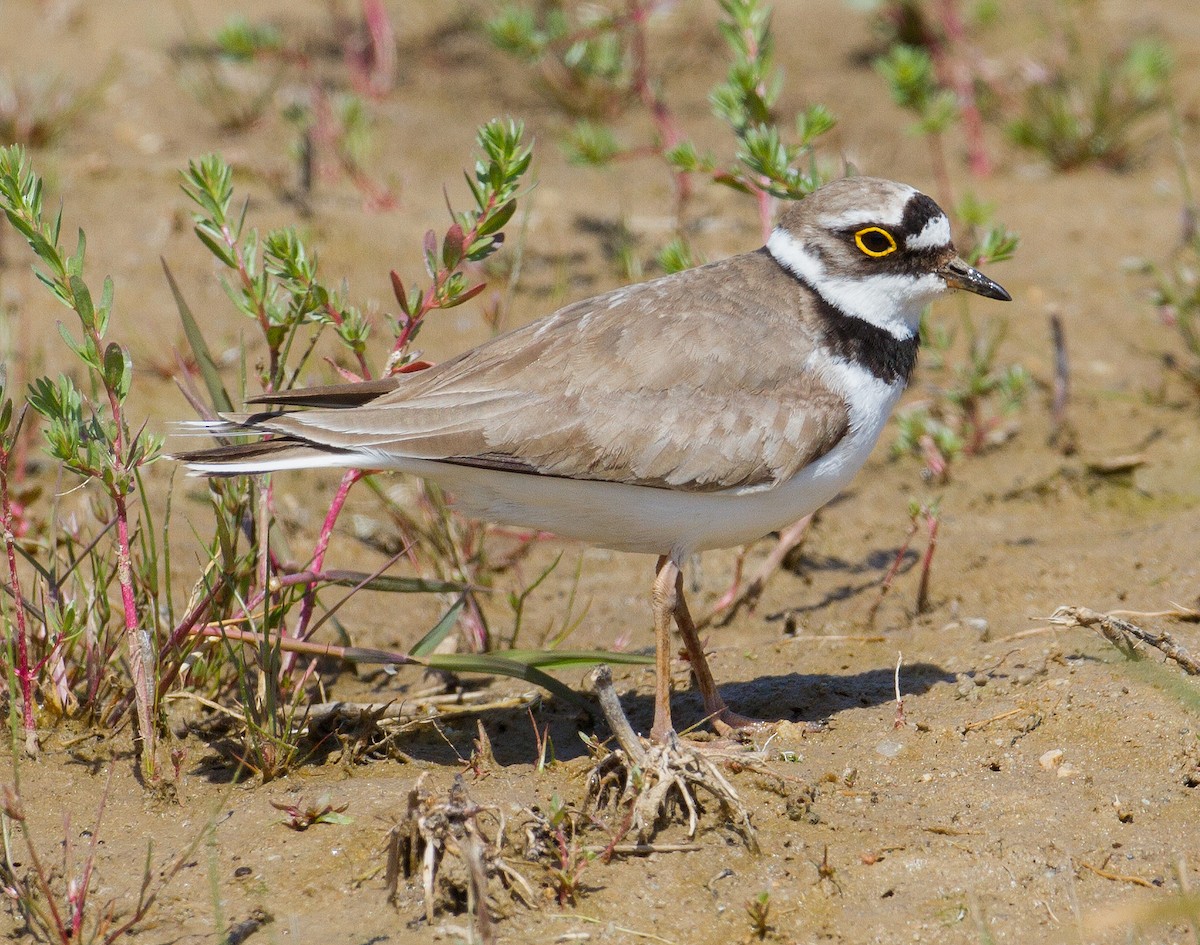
(931,522)
(669,132)
(953,63)
(23,671)
(142,680)
(888,578)
(764,212)
(318,558)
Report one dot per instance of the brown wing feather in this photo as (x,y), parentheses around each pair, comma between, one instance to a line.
(336,396)
(627,387)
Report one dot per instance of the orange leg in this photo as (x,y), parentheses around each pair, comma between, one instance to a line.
(670,605)
(724,720)
(665,594)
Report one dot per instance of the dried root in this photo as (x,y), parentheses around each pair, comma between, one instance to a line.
(1126,635)
(658,782)
(443,840)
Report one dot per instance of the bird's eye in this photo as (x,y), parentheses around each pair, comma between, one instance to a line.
(875,241)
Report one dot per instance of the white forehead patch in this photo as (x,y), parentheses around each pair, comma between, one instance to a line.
(934,234)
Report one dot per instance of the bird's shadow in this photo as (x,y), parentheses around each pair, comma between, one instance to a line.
(516,735)
(790,697)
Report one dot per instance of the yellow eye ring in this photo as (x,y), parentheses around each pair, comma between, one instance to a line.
(877,248)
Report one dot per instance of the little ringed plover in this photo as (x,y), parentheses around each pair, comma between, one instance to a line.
(699,410)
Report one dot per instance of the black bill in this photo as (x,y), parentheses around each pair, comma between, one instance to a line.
(959,275)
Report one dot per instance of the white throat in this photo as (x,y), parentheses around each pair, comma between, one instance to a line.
(889,301)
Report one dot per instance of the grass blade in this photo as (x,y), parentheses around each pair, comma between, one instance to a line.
(200,351)
(387,582)
(564,659)
(494,665)
(428,643)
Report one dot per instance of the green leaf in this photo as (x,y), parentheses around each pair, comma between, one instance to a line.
(83,300)
(105,309)
(564,659)
(391,583)
(484,247)
(118,370)
(83,349)
(75,263)
(428,643)
(200,351)
(498,219)
(465,296)
(496,665)
(216,247)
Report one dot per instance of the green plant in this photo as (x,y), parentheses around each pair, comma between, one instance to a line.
(912,81)
(92,627)
(932,68)
(566,874)
(305,813)
(963,416)
(1083,112)
(94,440)
(1177,295)
(334,125)
(758,912)
(766,164)
(595,61)
(23,675)
(274,281)
(56,901)
(1176,292)
(918,514)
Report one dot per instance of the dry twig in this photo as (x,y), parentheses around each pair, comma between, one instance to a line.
(1125,635)
(748,596)
(1116,877)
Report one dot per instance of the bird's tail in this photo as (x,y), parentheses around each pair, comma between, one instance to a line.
(263,456)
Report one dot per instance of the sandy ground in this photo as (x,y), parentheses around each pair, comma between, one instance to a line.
(1043,789)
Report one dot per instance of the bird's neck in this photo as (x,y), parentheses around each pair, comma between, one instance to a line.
(854,327)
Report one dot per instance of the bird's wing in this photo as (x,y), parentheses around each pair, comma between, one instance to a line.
(617,388)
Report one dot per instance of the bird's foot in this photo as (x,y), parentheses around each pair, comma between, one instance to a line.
(731,724)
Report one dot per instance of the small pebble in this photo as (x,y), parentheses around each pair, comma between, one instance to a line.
(1051,759)
(889,748)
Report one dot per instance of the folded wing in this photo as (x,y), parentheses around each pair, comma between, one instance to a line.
(627,387)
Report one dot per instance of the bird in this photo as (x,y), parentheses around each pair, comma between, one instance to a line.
(699,410)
